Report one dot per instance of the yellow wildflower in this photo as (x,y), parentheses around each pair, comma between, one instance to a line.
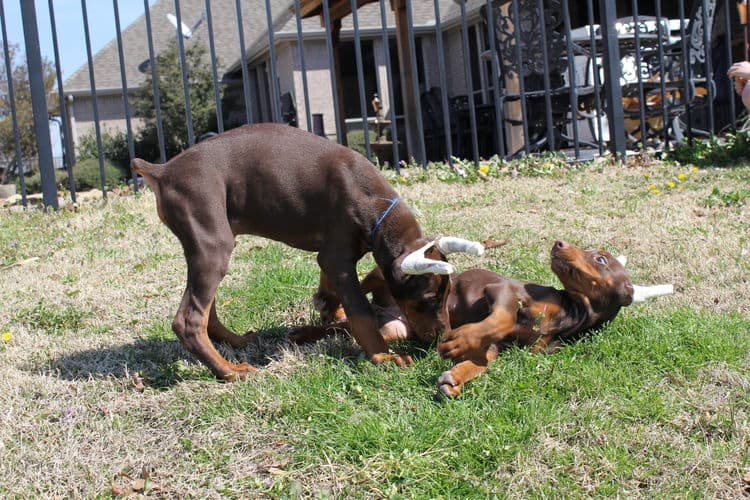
(655,191)
(6,336)
(402,179)
(484,169)
(671,184)
(647,175)
(693,170)
(652,186)
(682,176)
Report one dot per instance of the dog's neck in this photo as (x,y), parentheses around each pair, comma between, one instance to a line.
(393,236)
(593,312)
(566,313)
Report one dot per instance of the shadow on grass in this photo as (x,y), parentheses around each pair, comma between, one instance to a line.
(162,362)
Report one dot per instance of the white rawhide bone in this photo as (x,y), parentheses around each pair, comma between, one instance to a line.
(643,293)
(417,263)
(451,244)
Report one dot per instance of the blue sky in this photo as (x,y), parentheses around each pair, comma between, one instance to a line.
(69,21)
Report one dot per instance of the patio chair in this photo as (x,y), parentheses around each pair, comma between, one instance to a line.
(686,82)
(532,67)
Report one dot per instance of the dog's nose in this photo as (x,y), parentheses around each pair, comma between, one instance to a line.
(561,245)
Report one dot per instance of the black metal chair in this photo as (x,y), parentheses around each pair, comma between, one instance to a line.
(676,80)
(539,55)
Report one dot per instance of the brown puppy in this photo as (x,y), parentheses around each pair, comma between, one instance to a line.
(488,311)
(291,186)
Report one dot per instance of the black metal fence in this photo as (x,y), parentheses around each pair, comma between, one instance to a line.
(400,80)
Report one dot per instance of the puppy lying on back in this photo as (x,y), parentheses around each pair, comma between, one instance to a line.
(488,311)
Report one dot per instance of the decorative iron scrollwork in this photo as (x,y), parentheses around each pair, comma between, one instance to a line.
(528,28)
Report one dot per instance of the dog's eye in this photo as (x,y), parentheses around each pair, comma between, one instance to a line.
(602,260)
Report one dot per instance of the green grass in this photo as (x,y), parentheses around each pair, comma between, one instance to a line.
(95,388)
(384,427)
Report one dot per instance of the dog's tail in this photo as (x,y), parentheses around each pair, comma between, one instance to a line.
(149,171)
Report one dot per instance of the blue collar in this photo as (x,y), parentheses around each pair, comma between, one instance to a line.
(381,218)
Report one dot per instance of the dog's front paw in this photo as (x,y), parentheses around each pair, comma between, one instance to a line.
(401,360)
(448,385)
(459,345)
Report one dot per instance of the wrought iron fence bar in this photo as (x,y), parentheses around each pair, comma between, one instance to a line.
(469,82)
(662,77)
(274,84)
(421,152)
(184,74)
(639,76)
(615,115)
(243,64)
(519,74)
(303,66)
(686,69)
(389,77)
(155,84)
(545,76)
(728,49)
(499,136)
(572,77)
(214,71)
(94,100)
(596,76)
(360,78)
(125,100)
(64,130)
(443,84)
(707,29)
(13,112)
(340,134)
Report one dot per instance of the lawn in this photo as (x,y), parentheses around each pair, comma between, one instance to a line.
(98,399)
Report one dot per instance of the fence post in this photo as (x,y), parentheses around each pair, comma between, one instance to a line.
(39,103)
(615,111)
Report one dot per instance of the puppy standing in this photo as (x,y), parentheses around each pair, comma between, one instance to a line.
(291,186)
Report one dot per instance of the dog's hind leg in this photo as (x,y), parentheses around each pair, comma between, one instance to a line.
(452,381)
(207,263)
(219,333)
(327,302)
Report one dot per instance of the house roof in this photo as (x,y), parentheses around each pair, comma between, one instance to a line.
(135,41)
(226,34)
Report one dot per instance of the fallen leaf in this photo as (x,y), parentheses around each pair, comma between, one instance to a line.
(275,471)
(493,243)
(138,485)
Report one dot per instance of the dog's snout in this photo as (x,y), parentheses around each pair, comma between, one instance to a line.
(561,245)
